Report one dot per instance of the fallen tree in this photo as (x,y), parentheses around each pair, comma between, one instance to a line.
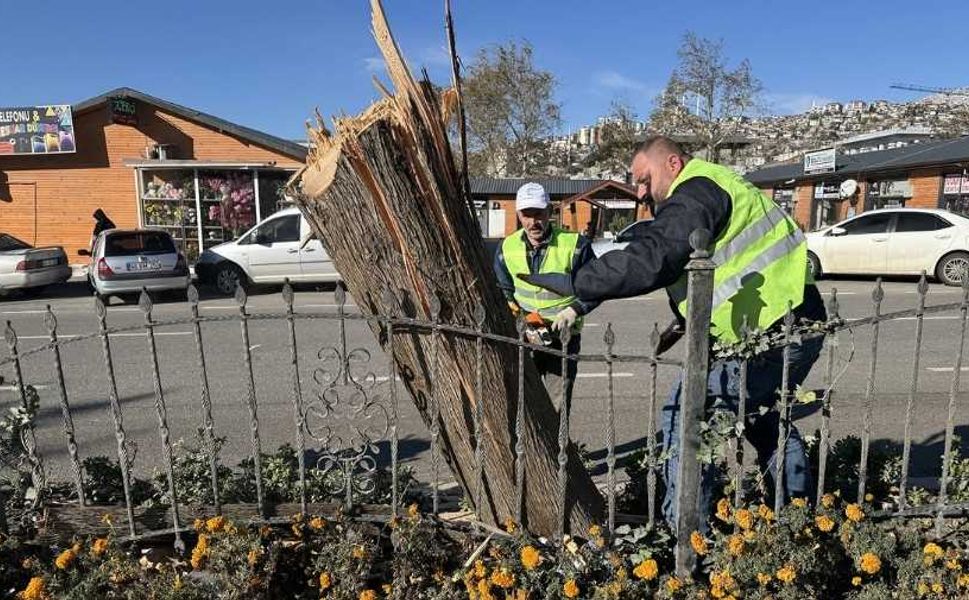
(383,194)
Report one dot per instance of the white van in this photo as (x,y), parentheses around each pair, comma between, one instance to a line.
(269,253)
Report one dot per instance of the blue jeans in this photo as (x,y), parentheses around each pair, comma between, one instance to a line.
(763,384)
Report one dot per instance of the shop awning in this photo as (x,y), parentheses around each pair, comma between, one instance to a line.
(140,163)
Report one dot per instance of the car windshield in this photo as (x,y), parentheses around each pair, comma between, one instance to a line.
(8,242)
(138,242)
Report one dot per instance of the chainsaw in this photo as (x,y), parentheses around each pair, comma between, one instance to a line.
(536,328)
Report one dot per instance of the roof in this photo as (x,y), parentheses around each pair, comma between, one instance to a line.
(489,186)
(895,159)
(259,138)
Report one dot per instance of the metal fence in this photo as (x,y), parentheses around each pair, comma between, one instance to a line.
(345,393)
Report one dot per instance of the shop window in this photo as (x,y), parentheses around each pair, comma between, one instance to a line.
(955,193)
(168,202)
(786,199)
(826,207)
(888,193)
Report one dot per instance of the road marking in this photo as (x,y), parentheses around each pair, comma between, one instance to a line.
(13,388)
(347,305)
(930,318)
(113,335)
(24,312)
(254,346)
(945,369)
(598,375)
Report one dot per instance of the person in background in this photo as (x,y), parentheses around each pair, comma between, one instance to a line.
(101,223)
(541,247)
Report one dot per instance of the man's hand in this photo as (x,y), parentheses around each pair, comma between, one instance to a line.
(565,319)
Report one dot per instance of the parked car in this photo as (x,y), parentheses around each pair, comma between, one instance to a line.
(29,269)
(125,261)
(269,253)
(621,239)
(901,241)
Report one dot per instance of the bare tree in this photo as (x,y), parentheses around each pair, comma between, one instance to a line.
(511,112)
(617,138)
(704,98)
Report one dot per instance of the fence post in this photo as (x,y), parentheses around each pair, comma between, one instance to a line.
(693,396)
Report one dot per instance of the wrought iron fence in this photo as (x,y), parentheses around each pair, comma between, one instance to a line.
(351,409)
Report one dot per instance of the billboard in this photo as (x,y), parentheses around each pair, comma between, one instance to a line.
(822,161)
(37,130)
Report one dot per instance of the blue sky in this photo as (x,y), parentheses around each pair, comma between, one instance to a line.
(268,64)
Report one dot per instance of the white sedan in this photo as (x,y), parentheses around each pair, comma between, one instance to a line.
(29,269)
(904,241)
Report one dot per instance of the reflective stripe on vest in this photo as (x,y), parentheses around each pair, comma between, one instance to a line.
(558,258)
(760,257)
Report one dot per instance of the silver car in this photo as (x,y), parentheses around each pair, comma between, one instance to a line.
(125,261)
(29,269)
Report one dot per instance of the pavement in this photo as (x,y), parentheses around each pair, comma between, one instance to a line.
(631,319)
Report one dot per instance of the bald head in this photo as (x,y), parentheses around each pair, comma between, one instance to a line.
(657,162)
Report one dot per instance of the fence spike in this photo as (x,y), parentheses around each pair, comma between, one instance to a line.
(479,314)
(833,304)
(9,335)
(144,301)
(240,296)
(287,293)
(340,294)
(192,294)
(50,321)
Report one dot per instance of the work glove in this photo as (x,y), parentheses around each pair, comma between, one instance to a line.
(514,308)
(560,283)
(565,319)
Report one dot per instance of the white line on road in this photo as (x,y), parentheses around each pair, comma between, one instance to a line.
(13,388)
(254,346)
(113,335)
(945,369)
(929,318)
(23,312)
(598,375)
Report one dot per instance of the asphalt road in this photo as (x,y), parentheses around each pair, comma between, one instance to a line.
(631,319)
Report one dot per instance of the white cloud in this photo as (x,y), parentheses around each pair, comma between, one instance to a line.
(617,81)
(374,64)
(793,102)
(435,57)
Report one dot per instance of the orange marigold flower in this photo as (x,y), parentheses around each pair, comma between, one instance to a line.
(200,551)
(938,588)
(856,581)
(65,558)
(510,526)
(484,590)
(359,552)
(723,510)
(35,589)
(869,497)
(765,512)
(699,544)
(786,573)
(317,523)
(480,570)
(530,557)
(763,578)
(325,581)
(368,595)
(744,518)
(854,513)
(253,557)
(570,589)
(412,511)
(934,550)
(963,581)
(827,500)
(824,523)
(99,546)
(799,502)
(735,545)
(953,565)
(646,570)
(503,579)
(673,585)
(870,563)
(215,524)
(595,531)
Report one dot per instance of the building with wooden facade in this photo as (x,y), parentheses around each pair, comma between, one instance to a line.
(147,162)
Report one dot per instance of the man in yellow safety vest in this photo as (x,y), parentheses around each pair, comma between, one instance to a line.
(540,247)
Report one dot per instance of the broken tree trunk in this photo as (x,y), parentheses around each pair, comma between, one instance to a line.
(383,195)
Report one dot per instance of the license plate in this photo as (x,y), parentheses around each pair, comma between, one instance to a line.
(50,262)
(145,265)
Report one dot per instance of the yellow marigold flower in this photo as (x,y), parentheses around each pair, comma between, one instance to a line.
(646,570)
(723,510)
(717,592)
(359,552)
(673,585)
(99,546)
(107,519)
(922,588)
(869,497)
(938,588)
(200,551)
(786,573)
(595,531)
(484,590)
(503,579)
(177,584)
(530,558)
(570,589)
(735,545)
(856,581)
(870,563)
(699,544)
(934,550)
(763,578)
(387,588)
(952,565)
(765,512)
(368,595)
(199,524)
(963,581)
(750,535)
(510,526)
(317,523)
(824,523)
(854,513)
(253,557)
(723,580)
(744,518)
(35,589)
(480,570)
(799,502)
(215,524)
(65,558)
(827,500)
(412,511)
(265,530)
(325,581)
(614,588)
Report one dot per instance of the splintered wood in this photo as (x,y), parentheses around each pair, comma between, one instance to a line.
(383,194)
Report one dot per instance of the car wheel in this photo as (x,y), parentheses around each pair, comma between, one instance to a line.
(952,268)
(815,265)
(227,278)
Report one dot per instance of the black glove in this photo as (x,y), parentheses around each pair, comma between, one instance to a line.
(560,283)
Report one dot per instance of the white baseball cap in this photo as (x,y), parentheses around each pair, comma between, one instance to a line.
(531,195)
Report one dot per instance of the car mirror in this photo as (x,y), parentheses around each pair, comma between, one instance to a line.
(84,252)
(836,231)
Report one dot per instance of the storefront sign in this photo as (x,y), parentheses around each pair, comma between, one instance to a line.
(822,161)
(955,184)
(123,110)
(619,203)
(827,190)
(36,130)
(890,188)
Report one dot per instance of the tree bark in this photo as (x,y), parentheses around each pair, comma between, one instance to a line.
(385,198)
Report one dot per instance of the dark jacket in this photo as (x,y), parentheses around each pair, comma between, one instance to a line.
(583,254)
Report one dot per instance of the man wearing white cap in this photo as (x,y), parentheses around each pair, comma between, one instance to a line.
(540,247)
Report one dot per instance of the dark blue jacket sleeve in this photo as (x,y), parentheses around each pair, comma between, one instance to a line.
(505,281)
(583,254)
(656,259)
